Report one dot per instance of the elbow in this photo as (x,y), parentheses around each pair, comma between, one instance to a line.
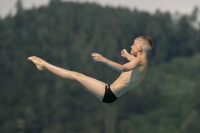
(124,69)
(120,70)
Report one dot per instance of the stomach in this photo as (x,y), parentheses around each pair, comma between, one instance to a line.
(125,82)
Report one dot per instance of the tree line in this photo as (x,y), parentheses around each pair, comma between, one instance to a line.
(65,34)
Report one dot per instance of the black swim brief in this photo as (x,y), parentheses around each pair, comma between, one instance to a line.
(109,96)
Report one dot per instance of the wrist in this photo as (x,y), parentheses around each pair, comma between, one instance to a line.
(104,60)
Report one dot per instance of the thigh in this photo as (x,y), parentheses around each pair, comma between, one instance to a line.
(94,86)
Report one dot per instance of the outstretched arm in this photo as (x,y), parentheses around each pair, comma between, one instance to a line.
(116,66)
(126,55)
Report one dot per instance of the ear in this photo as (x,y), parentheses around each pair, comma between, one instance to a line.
(140,48)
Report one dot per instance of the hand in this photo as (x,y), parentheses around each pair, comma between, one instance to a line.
(98,57)
(124,53)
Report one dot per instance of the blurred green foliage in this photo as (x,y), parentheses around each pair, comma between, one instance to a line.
(65,34)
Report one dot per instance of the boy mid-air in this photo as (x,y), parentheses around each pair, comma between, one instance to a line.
(131,73)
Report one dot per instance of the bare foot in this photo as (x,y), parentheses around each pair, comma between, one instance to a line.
(38,62)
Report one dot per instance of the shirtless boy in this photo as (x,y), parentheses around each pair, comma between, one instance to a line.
(131,73)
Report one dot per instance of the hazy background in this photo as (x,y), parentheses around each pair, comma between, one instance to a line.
(182,6)
(66,33)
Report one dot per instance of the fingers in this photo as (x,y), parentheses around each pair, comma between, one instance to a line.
(94,54)
(124,53)
(31,57)
(124,50)
(97,57)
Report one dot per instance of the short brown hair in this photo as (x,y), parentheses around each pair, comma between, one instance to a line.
(147,42)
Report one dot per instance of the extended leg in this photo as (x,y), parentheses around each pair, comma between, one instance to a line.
(96,87)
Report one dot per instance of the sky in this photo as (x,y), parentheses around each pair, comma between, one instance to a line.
(172,6)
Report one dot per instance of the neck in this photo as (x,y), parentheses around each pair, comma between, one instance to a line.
(141,55)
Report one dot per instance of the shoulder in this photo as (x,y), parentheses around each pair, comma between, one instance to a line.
(136,62)
(140,61)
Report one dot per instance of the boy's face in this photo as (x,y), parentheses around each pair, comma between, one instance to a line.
(135,48)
